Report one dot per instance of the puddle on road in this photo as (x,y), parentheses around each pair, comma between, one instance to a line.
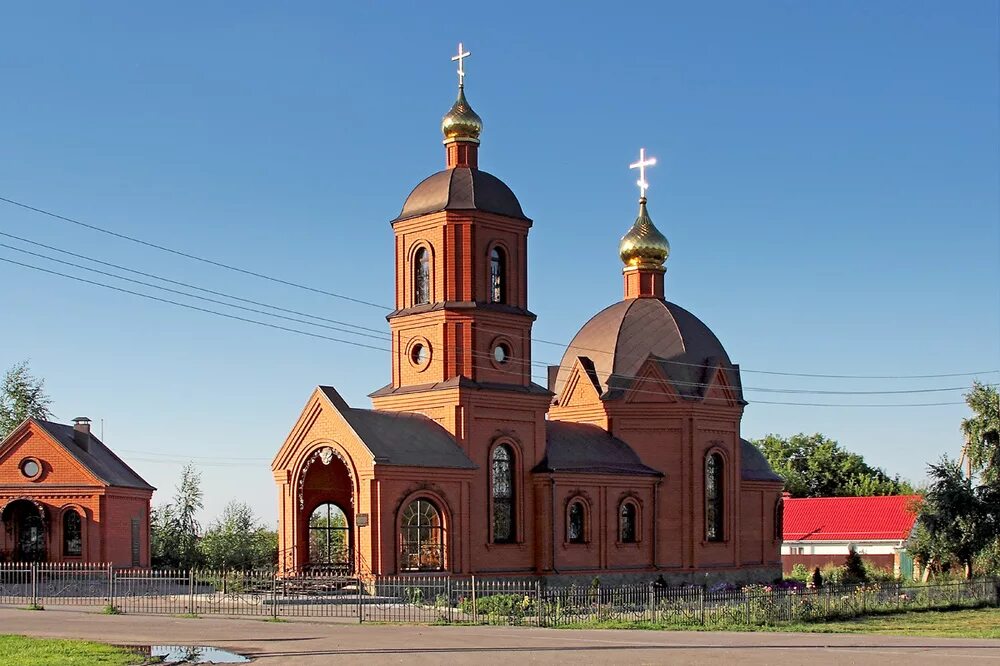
(189,654)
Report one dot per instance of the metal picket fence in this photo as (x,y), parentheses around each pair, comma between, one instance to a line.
(440,598)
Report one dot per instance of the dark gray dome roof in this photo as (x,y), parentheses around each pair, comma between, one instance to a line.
(461,189)
(619,339)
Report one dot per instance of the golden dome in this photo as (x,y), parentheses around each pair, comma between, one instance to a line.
(644,246)
(462,122)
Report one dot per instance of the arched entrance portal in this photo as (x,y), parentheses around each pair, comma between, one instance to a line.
(25,523)
(325,542)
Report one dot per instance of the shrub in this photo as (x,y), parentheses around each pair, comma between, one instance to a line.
(506,605)
(799,573)
(854,568)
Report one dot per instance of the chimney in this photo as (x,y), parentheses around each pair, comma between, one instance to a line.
(81,432)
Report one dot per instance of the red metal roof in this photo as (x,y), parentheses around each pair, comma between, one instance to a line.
(849,518)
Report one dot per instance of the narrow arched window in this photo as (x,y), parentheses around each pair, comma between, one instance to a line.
(421,277)
(503,494)
(421,537)
(72,533)
(714,497)
(779,519)
(576,523)
(498,276)
(627,523)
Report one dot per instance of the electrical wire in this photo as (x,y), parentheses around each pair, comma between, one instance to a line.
(362,345)
(297,285)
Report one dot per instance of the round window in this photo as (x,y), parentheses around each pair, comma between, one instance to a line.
(30,468)
(419,354)
(501,353)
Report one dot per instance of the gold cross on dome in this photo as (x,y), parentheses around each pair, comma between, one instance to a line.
(462,55)
(641,166)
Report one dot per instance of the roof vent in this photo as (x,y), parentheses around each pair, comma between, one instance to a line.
(81,432)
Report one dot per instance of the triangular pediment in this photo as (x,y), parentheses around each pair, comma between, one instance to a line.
(582,387)
(650,384)
(321,417)
(59,466)
(719,391)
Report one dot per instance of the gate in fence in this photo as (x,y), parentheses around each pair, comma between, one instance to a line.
(446,599)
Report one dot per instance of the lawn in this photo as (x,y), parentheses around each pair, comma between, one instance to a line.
(958,623)
(968,623)
(25,651)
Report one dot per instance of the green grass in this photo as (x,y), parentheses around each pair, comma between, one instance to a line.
(966,623)
(26,651)
(956,623)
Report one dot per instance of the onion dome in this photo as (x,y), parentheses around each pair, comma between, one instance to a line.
(644,246)
(461,122)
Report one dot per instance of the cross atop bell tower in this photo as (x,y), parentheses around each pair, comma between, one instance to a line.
(461,126)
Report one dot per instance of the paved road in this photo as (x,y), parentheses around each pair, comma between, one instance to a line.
(317,642)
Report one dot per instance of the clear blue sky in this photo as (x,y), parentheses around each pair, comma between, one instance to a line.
(828,179)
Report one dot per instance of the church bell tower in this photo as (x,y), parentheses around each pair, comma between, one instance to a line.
(461,325)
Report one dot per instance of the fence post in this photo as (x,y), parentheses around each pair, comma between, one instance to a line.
(191,591)
(475,607)
(651,602)
(274,595)
(701,603)
(111,586)
(361,611)
(746,603)
(538,603)
(34,583)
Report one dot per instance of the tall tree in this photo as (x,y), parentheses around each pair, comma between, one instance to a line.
(237,540)
(21,396)
(175,526)
(957,520)
(982,431)
(816,466)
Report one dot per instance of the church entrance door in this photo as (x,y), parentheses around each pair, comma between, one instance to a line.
(27,526)
(330,546)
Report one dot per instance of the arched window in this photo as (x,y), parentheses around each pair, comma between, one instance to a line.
(329,537)
(714,497)
(779,520)
(503,494)
(576,523)
(498,276)
(628,522)
(421,537)
(421,277)
(72,533)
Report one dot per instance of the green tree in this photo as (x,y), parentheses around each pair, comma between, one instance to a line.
(816,466)
(957,521)
(982,431)
(22,396)
(854,567)
(237,540)
(174,527)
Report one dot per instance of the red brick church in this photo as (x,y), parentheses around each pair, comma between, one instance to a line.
(628,465)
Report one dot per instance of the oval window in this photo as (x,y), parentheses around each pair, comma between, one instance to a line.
(501,353)
(30,468)
(419,354)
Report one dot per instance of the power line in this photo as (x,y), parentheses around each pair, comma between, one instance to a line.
(357,344)
(297,285)
(189,295)
(193,257)
(181,284)
(193,307)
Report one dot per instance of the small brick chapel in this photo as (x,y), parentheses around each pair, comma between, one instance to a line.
(66,497)
(628,465)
